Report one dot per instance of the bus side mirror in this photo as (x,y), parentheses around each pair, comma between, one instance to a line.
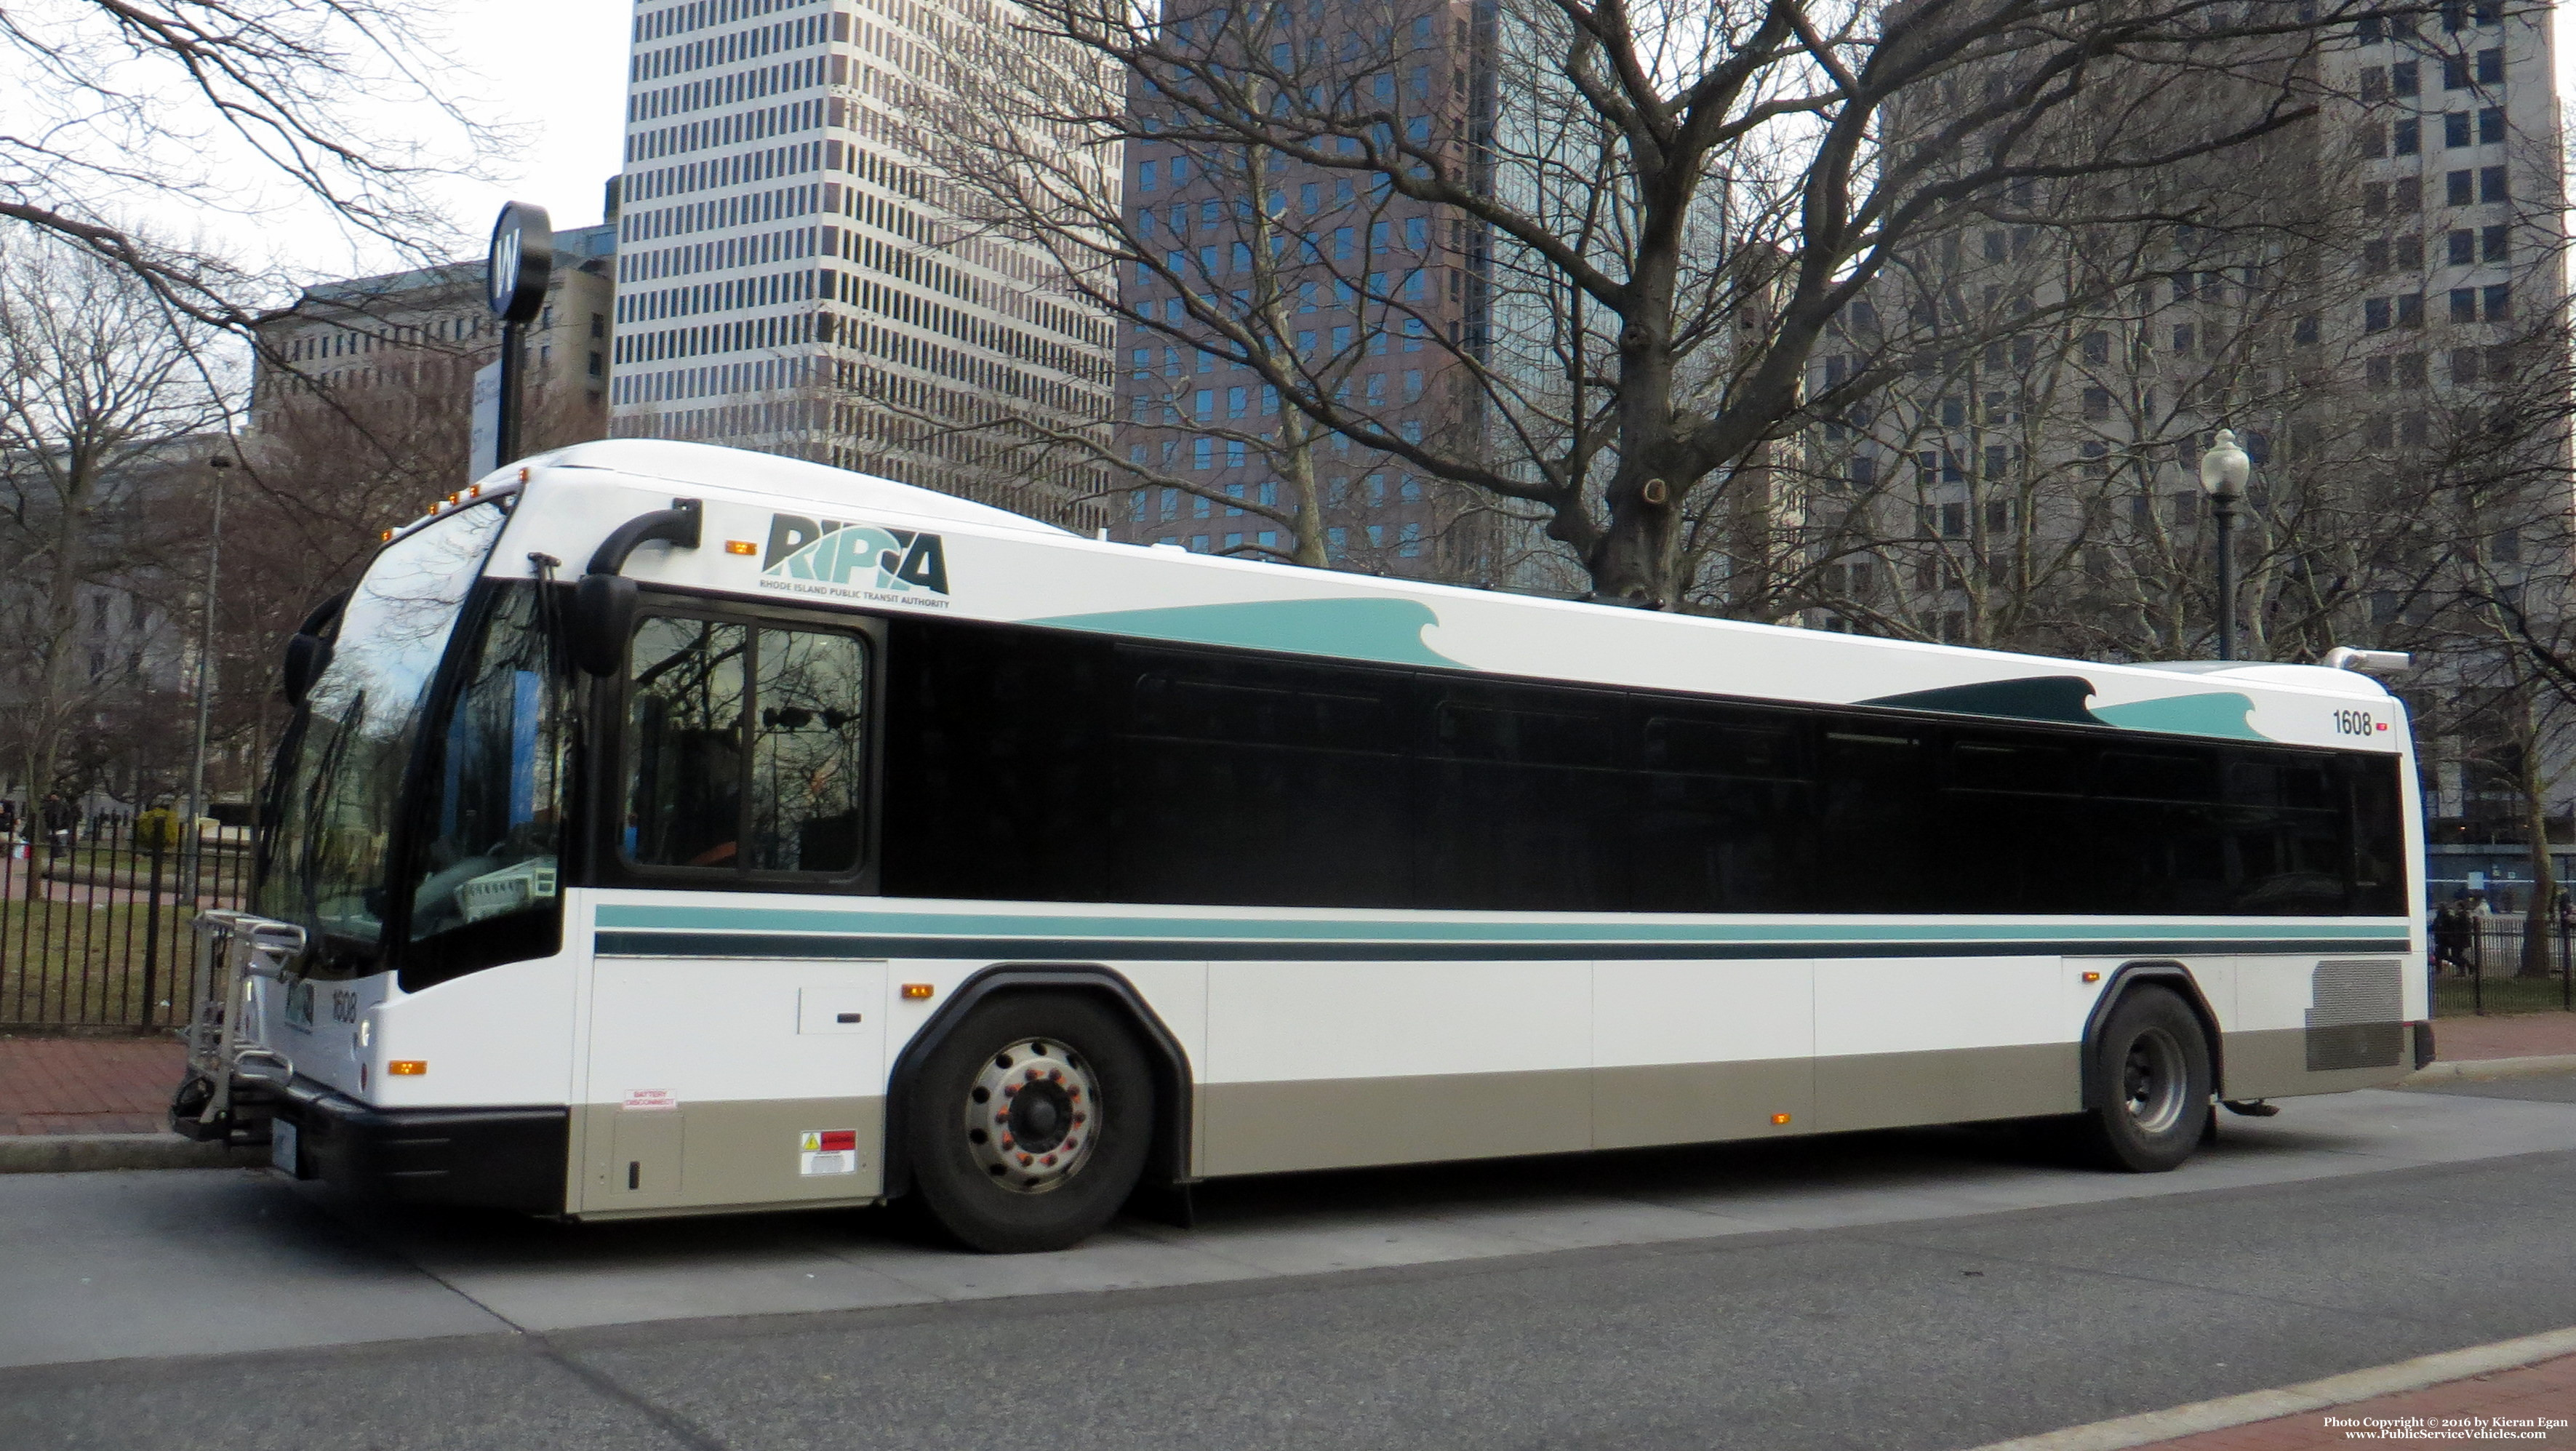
(603,615)
(308,650)
(307,656)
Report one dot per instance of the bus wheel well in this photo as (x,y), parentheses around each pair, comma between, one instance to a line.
(2172,976)
(1168,1162)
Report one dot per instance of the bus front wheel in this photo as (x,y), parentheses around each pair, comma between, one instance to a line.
(2148,1080)
(1029,1125)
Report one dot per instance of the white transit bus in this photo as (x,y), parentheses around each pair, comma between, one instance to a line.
(666,829)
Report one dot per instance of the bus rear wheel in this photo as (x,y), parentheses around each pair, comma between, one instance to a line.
(2148,1080)
(1029,1125)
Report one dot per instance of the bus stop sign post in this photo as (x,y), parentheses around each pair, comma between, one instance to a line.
(522,261)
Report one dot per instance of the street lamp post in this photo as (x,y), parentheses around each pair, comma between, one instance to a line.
(2223,471)
(192,842)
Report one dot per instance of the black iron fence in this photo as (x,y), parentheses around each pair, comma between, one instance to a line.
(94,922)
(2480,968)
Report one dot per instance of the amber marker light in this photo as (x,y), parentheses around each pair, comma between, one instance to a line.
(1778,1119)
(916,991)
(2092,977)
(385,538)
(741,546)
(408,1067)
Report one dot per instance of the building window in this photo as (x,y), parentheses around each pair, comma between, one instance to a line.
(2410,370)
(2455,73)
(1203,457)
(2410,309)
(2499,302)
(2464,248)
(2405,78)
(2493,245)
(2464,304)
(2490,125)
(2374,315)
(2460,188)
(2491,67)
(1145,176)
(2406,138)
(2455,128)
(2491,186)
(2097,404)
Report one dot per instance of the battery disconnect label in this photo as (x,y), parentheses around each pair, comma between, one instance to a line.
(828,1151)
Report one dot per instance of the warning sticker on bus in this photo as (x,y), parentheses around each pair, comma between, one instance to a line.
(828,1151)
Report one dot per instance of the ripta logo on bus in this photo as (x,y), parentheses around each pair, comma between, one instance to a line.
(861,558)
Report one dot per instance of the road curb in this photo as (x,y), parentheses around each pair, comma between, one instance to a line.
(2482,1070)
(2315,1395)
(75,1153)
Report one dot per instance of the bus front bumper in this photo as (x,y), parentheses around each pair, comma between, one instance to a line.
(499,1158)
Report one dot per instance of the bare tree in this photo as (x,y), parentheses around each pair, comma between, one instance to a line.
(100,383)
(132,106)
(1647,214)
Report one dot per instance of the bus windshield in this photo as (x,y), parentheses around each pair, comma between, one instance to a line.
(342,778)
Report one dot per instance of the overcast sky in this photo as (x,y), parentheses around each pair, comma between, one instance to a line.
(560,66)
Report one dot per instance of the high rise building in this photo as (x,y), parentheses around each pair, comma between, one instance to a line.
(2372,300)
(395,355)
(794,278)
(1378,295)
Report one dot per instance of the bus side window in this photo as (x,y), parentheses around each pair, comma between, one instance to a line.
(809,753)
(684,743)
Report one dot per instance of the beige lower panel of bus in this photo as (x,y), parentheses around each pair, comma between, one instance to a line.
(711,1154)
(2274,1064)
(1947,1085)
(1274,1127)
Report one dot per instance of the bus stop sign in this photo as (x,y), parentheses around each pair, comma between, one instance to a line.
(522,259)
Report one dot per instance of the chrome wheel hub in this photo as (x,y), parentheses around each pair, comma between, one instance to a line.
(2154,1081)
(1032,1116)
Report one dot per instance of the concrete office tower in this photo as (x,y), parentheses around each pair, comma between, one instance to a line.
(394,356)
(792,278)
(2369,298)
(1376,290)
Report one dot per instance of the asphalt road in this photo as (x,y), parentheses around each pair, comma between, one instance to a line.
(1924,1333)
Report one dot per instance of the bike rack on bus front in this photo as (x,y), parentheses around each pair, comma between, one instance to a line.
(235,950)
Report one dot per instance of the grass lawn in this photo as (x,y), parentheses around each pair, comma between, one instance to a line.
(73,964)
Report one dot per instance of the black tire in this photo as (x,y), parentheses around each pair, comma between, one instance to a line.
(2147,1077)
(1085,1122)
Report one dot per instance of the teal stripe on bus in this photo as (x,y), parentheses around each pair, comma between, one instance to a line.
(646,917)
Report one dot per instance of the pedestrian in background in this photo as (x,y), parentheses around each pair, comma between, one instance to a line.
(61,819)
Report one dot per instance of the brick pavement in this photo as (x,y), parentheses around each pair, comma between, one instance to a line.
(87,1085)
(2505,1035)
(2441,1415)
